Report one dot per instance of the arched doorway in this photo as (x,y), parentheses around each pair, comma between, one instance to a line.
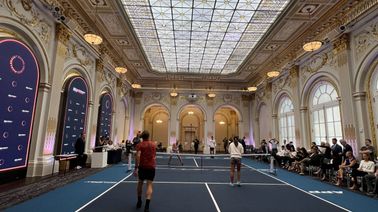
(104,119)
(156,121)
(226,125)
(19,79)
(73,114)
(191,126)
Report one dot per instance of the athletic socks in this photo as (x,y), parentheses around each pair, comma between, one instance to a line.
(147,206)
(139,203)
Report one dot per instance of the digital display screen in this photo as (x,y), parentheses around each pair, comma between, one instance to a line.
(75,113)
(104,122)
(19,79)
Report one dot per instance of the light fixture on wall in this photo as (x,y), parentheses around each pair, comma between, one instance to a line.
(94,38)
(252,88)
(120,69)
(222,122)
(136,85)
(312,46)
(173,93)
(272,74)
(159,121)
(190,113)
(211,95)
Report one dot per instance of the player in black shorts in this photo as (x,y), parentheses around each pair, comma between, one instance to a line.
(145,164)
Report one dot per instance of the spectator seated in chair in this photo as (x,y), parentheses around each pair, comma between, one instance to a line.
(349,164)
(313,159)
(372,182)
(366,167)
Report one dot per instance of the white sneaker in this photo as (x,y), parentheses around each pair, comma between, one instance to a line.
(238,183)
(231,184)
(78,167)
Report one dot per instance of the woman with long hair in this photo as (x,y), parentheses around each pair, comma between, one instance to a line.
(236,150)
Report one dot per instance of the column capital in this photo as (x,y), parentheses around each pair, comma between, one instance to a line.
(359,95)
(303,109)
(62,33)
(45,86)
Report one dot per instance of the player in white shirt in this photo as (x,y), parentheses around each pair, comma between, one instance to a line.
(236,150)
(212,145)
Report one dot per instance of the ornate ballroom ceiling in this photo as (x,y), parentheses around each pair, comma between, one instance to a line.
(225,44)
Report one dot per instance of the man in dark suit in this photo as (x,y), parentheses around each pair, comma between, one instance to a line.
(346,148)
(79,150)
(337,152)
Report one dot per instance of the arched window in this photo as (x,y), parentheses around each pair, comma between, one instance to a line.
(325,113)
(286,120)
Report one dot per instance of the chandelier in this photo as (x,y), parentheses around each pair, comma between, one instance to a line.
(136,85)
(312,46)
(272,74)
(120,70)
(93,38)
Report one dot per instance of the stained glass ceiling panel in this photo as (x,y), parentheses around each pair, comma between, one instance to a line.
(200,36)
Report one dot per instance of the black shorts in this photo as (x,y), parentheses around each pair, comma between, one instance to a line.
(146,174)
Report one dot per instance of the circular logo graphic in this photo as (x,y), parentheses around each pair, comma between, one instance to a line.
(10,109)
(27,99)
(17,64)
(14,84)
(23,123)
(2,161)
(5,134)
(20,147)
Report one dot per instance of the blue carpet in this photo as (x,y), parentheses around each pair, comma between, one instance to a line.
(74,195)
(350,200)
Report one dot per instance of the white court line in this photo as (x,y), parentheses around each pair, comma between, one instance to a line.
(195,161)
(297,188)
(82,207)
(210,183)
(212,197)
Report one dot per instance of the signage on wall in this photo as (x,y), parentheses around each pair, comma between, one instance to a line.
(104,122)
(75,113)
(19,78)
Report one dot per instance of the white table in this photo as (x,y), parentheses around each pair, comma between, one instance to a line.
(99,159)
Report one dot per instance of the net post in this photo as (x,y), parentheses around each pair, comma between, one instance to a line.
(272,170)
(129,162)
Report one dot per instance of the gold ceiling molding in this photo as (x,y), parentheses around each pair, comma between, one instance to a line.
(334,18)
(360,9)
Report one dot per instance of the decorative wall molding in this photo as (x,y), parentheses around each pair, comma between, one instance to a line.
(316,63)
(366,39)
(28,15)
(63,34)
